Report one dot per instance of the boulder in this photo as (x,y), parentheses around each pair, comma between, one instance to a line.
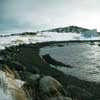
(31,79)
(51,87)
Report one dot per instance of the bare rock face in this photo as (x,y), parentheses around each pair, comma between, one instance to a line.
(51,89)
(10,87)
(50,86)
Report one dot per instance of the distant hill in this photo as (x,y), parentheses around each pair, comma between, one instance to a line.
(68,29)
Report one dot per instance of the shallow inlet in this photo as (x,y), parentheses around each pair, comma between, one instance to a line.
(84,58)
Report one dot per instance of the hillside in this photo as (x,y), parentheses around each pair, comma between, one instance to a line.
(73,29)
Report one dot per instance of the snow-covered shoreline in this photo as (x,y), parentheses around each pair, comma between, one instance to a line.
(7,41)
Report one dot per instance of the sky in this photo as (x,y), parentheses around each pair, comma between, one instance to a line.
(35,15)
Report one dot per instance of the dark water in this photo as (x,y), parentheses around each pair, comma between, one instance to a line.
(84,58)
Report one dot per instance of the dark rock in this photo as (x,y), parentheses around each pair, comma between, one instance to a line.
(52,61)
(79,93)
(98,44)
(68,29)
(50,86)
(92,43)
(51,89)
(58,98)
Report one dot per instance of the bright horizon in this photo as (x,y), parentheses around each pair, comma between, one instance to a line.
(34,15)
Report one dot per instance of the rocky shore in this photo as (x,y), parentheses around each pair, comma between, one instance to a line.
(42,82)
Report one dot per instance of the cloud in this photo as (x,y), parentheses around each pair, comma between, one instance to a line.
(23,15)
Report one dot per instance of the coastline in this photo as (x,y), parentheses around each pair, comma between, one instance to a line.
(27,56)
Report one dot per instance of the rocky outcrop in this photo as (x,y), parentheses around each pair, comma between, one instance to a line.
(48,59)
(50,86)
(10,87)
(34,87)
(73,29)
(45,88)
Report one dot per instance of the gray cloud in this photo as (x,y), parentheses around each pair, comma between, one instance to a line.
(32,15)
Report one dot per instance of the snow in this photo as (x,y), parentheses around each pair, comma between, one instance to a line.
(40,37)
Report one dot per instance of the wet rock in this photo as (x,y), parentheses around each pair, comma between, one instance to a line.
(45,88)
(78,92)
(51,87)
(48,59)
(59,98)
(29,77)
(14,65)
(34,77)
(33,69)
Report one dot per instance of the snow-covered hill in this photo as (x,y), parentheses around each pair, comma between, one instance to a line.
(73,29)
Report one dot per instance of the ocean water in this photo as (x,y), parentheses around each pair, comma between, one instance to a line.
(84,58)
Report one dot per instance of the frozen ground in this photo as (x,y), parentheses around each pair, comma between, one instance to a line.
(41,37)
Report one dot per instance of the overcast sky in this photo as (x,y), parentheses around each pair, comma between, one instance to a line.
(32,15)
